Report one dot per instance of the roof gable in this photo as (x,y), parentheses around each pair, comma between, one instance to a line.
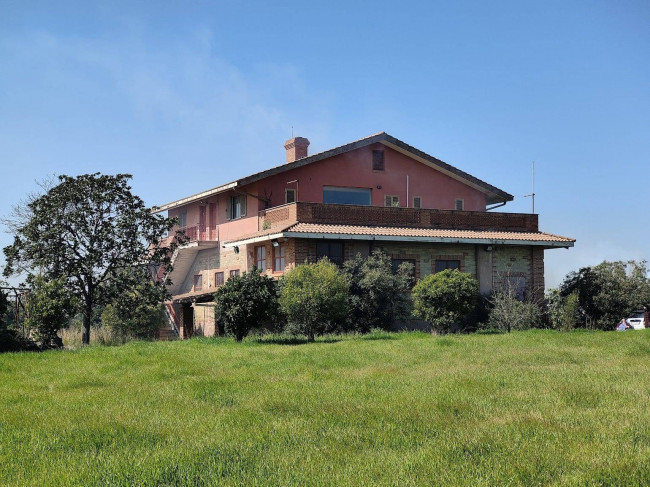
(493,194)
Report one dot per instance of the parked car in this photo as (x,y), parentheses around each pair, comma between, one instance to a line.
(637,320)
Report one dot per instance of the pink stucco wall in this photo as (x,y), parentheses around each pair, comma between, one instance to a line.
(354,169)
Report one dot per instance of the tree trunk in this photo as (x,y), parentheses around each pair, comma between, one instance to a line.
(85,337)
(310,334)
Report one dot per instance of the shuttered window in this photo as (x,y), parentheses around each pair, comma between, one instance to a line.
(391,200)
(378,160)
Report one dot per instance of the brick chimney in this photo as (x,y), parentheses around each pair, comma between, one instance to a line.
(296,148)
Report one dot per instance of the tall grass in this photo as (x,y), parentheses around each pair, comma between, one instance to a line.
(528,408)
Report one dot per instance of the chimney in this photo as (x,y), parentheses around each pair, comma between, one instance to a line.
(296,148)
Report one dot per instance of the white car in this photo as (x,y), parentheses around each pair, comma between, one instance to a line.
(637,320)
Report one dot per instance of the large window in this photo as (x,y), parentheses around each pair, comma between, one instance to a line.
(260,258)
(332,250)
(441,265)
(237,206)
(279,261)
(346,196)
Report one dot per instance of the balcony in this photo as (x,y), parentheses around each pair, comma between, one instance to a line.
(395,217)
(198,233)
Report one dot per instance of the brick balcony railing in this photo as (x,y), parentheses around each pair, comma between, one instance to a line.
(396,217)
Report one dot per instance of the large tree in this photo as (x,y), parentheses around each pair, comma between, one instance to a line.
(93,232)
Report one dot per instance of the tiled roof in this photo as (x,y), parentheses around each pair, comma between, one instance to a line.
(312,230)
(426,232)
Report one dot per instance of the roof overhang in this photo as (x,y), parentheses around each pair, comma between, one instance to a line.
(398,238)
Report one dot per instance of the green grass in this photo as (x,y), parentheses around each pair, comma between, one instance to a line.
(530,408)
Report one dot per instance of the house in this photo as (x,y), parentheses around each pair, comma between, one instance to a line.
(375,193)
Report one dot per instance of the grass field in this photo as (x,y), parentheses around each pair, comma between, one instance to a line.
(530,408)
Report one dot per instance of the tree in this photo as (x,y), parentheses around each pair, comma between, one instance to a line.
(314,296)
(49,306)
(563,311)
(136,313)
(246,301)
(377,295)
(94,233)
(609,291)
(444,298)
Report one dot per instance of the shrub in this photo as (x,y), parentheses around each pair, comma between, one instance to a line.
(245,302)
(49,306)
(444,298)
(137,313)
(314,297)
(377,295)
(563,311)
(508,313)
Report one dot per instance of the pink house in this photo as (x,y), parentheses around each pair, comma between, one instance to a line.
(375,193)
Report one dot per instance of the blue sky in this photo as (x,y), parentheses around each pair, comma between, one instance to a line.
(188,95)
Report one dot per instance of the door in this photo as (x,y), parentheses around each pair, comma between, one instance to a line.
(484,267)
(202,211)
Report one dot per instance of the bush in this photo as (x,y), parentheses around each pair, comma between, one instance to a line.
(137,314)
(444,298)
(508,313)
(563,311)
(49,306)
(245,302)
(377,295)
(314,297)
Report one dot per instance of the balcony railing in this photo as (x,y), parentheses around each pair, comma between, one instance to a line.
(198,232)
(395,217)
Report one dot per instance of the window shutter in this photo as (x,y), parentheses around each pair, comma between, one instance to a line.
(388,200)
(242,201)
(229,208)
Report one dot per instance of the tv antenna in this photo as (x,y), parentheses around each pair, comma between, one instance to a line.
(532,194)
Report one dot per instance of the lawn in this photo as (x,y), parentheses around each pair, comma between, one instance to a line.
(529,408)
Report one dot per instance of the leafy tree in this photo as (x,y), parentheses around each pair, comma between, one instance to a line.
(94,233)
(136,313)
(49,306)
(314,296)
(609,291)
(377,295)
(245,302)
(444,298)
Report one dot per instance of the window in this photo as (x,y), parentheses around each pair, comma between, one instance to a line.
(460,204)
(346,196)
(441,265)
(260,257)
(289,195)
(417,202)
(182,219)
(234,273)
(218,279)
(237,206)
(398,262)
(198,282)
(332,250)
(378,160)
(279,258)
(390,200)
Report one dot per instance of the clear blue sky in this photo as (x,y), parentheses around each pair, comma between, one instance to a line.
(186,95)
